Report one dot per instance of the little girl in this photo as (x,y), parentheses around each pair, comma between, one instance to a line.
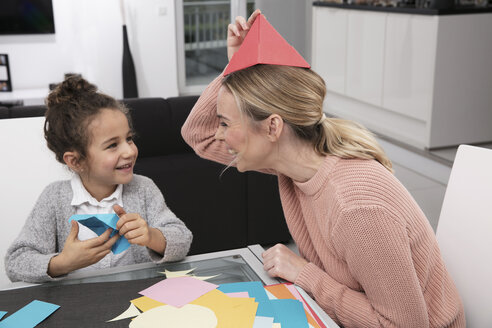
(92,134)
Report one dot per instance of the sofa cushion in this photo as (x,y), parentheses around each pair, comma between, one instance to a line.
(212,205)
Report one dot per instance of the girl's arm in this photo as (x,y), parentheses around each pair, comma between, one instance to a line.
(28,257)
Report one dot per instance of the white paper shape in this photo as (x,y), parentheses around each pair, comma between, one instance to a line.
(263,322)
(132,311)
(188,316)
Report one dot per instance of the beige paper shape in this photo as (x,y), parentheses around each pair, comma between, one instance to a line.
(205,277)
(173,274)
(189,315)
(132,311)
(276,325)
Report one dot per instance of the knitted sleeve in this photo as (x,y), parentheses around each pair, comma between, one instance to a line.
(201,125)
(28,257)
(178,236)
(377,251)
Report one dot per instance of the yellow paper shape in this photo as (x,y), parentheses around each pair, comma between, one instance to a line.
(145,303)
(276,325)
(174,274)
(189,315)
(205,277)
(132,311)
(230,311)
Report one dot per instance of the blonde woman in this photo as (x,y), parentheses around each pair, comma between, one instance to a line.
(368,254)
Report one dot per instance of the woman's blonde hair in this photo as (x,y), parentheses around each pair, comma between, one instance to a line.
(297,94)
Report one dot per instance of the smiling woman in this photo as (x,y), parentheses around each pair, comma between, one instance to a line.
(92,134)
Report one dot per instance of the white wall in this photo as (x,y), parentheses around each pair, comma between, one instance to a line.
(26,167)
(88,40)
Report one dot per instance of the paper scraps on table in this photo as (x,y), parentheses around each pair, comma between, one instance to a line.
(188,316)
(178,291)
(290,313)
(255,289)
(263,322)
(238,294)
(99,223)
(30,315)
(186,273)
(132,311)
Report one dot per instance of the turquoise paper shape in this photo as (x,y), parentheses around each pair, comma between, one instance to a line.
(30,315)
(100,223)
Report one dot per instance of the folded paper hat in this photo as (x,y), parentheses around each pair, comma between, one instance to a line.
(264,45)
(99,223)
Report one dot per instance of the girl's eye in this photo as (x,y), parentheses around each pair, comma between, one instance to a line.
(129,139)
(113,145)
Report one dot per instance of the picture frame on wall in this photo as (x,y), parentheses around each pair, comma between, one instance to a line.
(5,80)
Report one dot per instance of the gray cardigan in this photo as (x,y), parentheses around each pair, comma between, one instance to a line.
(47,227)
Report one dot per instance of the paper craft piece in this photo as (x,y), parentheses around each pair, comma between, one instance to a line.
(30,315)
(99,223)
(178,291)
(238,294)
(263,322)
(230,312)
(190,315)
(132,311)
(255,289)
(2,313)
(290,313)
(264,45)
(174,274)
(276,325)
(205,277)
(145,303)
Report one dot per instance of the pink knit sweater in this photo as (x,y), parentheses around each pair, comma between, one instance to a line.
(373,257)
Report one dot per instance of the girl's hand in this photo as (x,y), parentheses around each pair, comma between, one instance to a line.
(78,254)
(280,261)
(136,230)
(237,32)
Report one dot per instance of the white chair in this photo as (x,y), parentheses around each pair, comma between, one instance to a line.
(464,232)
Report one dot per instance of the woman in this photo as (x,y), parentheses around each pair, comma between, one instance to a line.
(368,254)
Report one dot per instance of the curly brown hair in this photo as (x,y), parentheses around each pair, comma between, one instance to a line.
(72,106)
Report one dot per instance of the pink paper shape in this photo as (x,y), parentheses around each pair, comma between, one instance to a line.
(297,295)
(238,294)
(264,45)
(178,291)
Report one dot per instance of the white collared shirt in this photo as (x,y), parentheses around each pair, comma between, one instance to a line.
(84,203)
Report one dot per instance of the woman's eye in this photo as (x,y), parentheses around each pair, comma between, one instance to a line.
(223,124)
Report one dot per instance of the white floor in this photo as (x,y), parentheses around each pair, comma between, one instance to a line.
(424,173)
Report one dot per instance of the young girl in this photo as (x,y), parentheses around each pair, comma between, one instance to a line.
(92,134)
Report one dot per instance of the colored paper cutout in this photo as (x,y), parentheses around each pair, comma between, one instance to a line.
(290,313)
(30,315)
(145,303)
(2,313)
(230,311)
(190,315)
(174,274)
(99,223)
(205,277)
(255,289)
(178,291)
(276,325)
(264,45)
(238,294)
(263,322)
(132,311)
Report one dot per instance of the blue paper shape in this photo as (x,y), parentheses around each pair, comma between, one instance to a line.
(289,313)
(100,223)
(2,313)
(30,315)
(255,289)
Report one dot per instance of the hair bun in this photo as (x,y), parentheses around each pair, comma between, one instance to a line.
(71,89)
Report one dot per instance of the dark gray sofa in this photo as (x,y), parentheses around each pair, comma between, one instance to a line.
(225,211)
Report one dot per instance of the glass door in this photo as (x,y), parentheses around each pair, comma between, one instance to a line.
(202,36)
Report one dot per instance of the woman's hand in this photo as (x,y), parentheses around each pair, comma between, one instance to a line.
(136,230)
(237,32)
(78,254)
(280,261)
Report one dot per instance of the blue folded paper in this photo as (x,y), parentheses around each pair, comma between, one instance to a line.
(100,223)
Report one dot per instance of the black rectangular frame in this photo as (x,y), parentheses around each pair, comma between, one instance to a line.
(5,85)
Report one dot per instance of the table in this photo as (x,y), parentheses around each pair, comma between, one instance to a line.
(90,299)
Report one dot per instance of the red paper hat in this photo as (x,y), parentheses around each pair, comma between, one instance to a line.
(264,45)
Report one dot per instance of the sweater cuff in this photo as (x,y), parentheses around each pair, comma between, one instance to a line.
(312,278)
(177,246)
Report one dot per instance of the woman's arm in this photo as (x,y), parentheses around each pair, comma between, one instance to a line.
(377,251)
